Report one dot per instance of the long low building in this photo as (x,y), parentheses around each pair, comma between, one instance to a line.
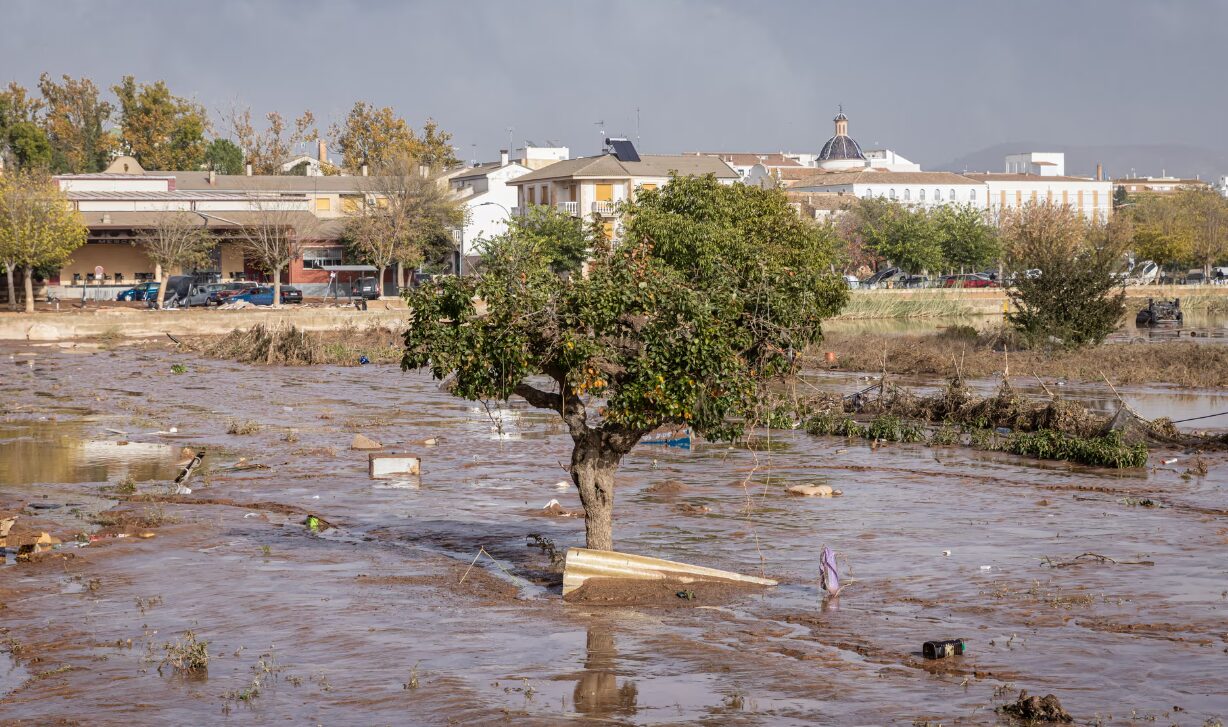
(120,203)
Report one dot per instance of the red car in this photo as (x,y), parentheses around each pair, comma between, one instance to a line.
(970,280)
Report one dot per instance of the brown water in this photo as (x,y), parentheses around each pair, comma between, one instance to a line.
(335,626)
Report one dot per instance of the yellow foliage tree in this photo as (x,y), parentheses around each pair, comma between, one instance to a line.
(38,228)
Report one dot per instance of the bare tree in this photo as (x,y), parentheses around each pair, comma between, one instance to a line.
(275,237)
(177,240)
(409,218)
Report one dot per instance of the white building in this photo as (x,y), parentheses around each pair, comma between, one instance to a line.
(1040,163)
(916,188)
(888,160)
(762,164)
(488,199)
(537,157)
(596,185)
(1091,198)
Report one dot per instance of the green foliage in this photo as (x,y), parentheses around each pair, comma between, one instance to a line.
(703,302)
(559,239)
(29,145)
(945,436)
(906,236)
(1076,300)
(224,157)
(1104,451)
(188,654)
(966,239)
(892,429)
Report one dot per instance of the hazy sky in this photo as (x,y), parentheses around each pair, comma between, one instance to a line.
(932,79)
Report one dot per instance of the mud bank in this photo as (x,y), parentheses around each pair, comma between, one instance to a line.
(375,621)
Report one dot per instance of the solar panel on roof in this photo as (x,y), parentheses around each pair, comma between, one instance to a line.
(624,150)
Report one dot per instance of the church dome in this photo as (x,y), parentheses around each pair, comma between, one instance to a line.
(841,151)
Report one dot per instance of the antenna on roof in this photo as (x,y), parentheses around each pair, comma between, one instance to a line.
(637,124)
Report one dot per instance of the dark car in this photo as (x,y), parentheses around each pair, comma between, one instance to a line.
(141,291)
(366,288)
(881,277)
(263,295)
(969,280)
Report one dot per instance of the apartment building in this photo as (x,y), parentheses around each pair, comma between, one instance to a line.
(596,185)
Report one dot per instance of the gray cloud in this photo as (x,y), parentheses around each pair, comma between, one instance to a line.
(932,80)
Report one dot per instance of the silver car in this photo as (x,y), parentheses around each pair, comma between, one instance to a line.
(199,295)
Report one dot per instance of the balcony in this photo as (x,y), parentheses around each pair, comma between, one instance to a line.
(605,209)
(569,208)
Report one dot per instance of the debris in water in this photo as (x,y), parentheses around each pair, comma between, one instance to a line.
(830,574)
(363,360)
(381,466)
(942,649)
(583,564)
(186,473)
(946,552)
(1036,709)
(686,595)
(813,490)
(363,442)
(1171,460)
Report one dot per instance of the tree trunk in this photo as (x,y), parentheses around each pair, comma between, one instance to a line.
(592,470)
(28,275)
(380,285)
(276,287)
(161,289)
(12,289)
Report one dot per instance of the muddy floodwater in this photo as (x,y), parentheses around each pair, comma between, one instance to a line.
(379,620)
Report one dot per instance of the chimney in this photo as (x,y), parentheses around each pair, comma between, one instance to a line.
(1099,173)
(249,170)
(503,157)
(364,170)
(322,151)
(212,177)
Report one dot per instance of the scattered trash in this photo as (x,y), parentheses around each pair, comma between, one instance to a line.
(431,442)
(583,564)
(555,508)
(186,473)
(946,552)
(380,466)
(313,523)
(173,430)
(1036,709)
(251,514)
(686,595)
(44,506)
(1171,460)
(181,490)
(562,485)
(942,649)
(829,573)
(363,442)
(813,490)
(363,360)
(120,432)
(1004,431)
(1092,557)
(987,567)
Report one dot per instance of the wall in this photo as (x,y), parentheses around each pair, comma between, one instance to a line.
(113,257)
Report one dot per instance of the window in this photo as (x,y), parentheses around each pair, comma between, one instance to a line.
(937,195)
(648,186)
(907,195)
(921,195)
(323,204)
(972,194)
(315,258)
(891,194)
(351,204)
(952,195)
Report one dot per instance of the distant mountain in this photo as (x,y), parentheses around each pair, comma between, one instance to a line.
(1147,160)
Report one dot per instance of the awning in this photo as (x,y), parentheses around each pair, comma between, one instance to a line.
(349,268)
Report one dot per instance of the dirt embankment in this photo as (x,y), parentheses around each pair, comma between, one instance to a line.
(956,350)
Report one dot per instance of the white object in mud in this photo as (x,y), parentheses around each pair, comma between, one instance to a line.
(1168,461)
(583,564)
(382,466)
(813,490)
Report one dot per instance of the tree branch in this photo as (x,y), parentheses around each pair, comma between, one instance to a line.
(538,398)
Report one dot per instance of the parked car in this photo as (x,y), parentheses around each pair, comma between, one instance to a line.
(140,291)
(912,281)
(968,280)
(1195,277)
(1144,273)
(366,288)
(229,290)
(852,282)
(203,294)
(263,295)
(881,277)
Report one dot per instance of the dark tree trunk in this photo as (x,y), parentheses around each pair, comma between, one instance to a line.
(592,470)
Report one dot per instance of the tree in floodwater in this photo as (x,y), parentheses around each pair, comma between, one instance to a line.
(1077,298)
(685,321)
(176,240)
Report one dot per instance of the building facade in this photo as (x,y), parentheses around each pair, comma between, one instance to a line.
(488,198)
(596,185)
